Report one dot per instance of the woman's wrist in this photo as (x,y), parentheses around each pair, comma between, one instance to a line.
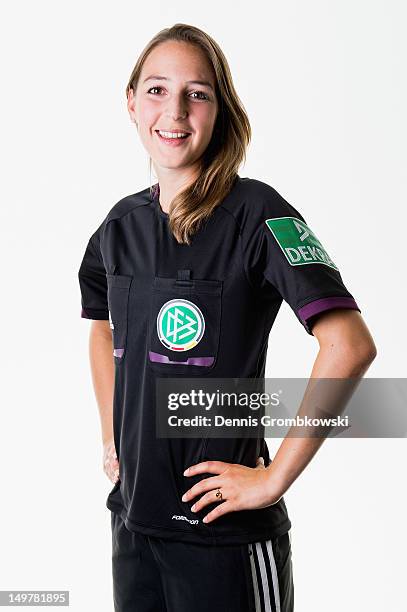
(275,485)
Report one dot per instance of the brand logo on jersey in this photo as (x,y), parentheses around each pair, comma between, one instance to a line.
(298,243)
(180,325)
(176,517)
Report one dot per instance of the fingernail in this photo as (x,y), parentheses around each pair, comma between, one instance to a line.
(193,508)
(184,497)
(186,472)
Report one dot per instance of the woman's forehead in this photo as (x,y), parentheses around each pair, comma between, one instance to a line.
(175,60)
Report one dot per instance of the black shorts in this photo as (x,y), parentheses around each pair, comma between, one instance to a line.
(151,574)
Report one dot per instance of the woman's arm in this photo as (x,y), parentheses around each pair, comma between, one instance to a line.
(346,350)
(102,367)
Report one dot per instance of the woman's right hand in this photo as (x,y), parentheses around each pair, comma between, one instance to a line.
(110,462)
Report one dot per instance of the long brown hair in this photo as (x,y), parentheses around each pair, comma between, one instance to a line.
(226,150)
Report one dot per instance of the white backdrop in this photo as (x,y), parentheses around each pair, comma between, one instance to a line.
(324,86)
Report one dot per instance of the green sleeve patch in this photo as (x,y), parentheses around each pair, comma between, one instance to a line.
(298,243)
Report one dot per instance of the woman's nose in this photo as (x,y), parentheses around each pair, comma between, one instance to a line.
(176,108)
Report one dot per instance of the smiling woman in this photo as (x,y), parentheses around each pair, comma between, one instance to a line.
(181,85)
(171,108)
(191,276)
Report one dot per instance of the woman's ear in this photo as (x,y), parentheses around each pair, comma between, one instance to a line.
(130,106)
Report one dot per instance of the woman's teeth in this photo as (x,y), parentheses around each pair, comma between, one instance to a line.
(173,134)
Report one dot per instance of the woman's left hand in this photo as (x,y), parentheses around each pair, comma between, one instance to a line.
(242,487)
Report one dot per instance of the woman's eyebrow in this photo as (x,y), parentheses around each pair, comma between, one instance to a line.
(153,77)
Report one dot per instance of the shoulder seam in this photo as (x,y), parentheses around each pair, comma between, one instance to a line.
(241,249)
(233,217)
(136,205)
(128,212)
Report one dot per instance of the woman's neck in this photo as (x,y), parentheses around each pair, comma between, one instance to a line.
(171,184)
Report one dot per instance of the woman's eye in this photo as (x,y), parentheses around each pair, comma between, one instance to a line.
(201,94)
(205,97)
(153,88)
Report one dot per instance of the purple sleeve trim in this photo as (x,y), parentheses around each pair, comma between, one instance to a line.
(318,306)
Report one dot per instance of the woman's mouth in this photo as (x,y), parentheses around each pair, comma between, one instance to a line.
(173,139)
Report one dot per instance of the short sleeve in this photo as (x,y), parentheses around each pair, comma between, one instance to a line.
(93,283)
(283,257)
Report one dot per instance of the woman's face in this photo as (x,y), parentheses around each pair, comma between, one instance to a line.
(175,93)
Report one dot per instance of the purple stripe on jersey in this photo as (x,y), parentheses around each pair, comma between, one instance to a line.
(199,361)
(118,352)
(313,308)
(156,190)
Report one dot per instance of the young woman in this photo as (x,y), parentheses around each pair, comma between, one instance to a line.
(187,279)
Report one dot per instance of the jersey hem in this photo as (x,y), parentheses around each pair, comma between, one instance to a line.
(180,535)
(97,315)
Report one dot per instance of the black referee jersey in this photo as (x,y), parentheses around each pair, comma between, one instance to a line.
(204,309)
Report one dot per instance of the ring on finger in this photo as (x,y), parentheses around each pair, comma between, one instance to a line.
(218,495)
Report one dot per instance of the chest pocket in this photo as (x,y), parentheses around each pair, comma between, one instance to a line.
(184,324)
(118,290)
